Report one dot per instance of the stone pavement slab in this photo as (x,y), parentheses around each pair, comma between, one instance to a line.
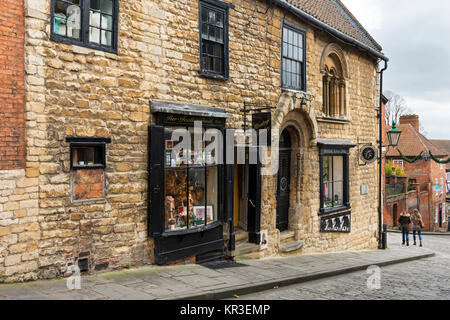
(201,282)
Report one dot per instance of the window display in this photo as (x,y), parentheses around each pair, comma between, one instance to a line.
(333,181)
(191,181)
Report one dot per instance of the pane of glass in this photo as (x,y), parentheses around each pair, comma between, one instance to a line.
(94,19)
(95,4)
(212,17)
(291,37)
(218,65)
(196,197)
(175,154)
(212,33)
(60,18)
(210,63)
(295,42)
(197,157)
(107,22)
(210,49)
(107,6)
(73,21)
(326,169)
(204,31)
(107,38)
(338,193)
(328,195)
(212,180)
(284,48)
(176,200)
(290,51)
(285,35)
(86,156)
(219,35)
(300,40)
(300,55)
(338,168)
(218,50)
(219,19)
(94,35)
(204,15)
(213,147)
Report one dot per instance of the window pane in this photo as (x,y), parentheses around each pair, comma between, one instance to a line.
(212,194)
(212,33)
(107,6)
(175,154)
(107,22)
(197,157)
(176,200)
(338,167)
(204,31)
(94,35)
(212,17)
(328,195)
(285,35)
(95,4)
(197,197)
(107,38)
(204,15)
(219,35)
(326,169)
(300,41)
(94,19)
(338,193)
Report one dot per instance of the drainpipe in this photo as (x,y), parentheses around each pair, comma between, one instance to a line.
(380,186)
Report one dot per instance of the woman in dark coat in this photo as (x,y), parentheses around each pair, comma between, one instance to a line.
(417,223)
(405,222)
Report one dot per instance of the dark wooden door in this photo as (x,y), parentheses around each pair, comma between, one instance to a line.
(284,182)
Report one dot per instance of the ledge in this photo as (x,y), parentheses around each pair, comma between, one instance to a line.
(333,120)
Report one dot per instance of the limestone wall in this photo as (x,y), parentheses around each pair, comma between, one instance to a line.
(75,91)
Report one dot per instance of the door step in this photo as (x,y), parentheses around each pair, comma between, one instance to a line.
(240,237)
(287,236)
(246,251)
(291,247)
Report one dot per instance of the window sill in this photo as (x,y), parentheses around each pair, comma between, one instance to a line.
(333,120)
(89,167)
(324,211)
(213,76)
(284,89)
(75,42)
(210,226)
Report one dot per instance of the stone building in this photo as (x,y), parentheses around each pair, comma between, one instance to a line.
(107,82)
(425,185)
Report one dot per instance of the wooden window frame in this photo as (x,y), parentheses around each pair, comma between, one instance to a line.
(84,29)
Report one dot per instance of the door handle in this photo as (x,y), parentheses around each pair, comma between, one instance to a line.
(251,202)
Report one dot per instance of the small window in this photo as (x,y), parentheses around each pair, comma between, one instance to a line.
(398,163)
(86,156)
(293,61)
(88,23)
(213,40)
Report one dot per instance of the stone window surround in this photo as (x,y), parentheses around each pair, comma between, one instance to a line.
(84,40)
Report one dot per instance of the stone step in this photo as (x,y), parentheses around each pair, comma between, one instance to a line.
(246,248)
(287,236)
(291,247)
(241,236)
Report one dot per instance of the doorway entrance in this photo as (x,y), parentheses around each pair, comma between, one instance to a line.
(284,181)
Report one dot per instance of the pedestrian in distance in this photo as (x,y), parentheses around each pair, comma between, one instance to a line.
(418,225)
(405,223)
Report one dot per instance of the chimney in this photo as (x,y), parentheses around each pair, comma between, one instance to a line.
(412,120)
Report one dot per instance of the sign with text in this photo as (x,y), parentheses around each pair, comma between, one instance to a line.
(263,121)
(336,223)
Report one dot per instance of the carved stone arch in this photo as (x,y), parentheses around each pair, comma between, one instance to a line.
(334,50)
(306,114)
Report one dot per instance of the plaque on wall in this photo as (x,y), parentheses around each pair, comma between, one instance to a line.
(336,223)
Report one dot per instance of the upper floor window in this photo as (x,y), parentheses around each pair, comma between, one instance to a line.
(334,70)
(88,23)
(293,58)
(214,39)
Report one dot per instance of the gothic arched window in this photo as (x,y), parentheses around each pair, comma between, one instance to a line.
(334,102)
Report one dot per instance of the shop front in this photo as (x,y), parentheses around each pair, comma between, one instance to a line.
(189,206)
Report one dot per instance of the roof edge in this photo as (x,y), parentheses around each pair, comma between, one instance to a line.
(321,25)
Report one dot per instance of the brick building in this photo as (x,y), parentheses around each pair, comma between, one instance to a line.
(109,81)
(445,146)
(425,185)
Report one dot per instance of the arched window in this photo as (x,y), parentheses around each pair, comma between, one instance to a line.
(333,69)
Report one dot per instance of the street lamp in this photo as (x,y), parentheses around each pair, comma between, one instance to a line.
(394,136)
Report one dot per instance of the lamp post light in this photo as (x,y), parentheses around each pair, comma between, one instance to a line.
(394,136)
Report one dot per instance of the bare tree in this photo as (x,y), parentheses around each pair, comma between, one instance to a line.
(395,108)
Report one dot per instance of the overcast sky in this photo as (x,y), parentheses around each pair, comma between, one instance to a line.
(415,37)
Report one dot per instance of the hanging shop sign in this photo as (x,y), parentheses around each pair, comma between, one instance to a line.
(368,154)
(336,223)
(263,121)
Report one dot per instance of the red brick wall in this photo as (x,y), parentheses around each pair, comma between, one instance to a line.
(88,184)
(12,124)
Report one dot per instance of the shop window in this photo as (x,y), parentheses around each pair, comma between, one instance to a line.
(191,183)
(334,180)
(88,23)
(293,61)
(87,163)
(214,39)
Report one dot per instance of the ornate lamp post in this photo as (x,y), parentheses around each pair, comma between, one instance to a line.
(394,136)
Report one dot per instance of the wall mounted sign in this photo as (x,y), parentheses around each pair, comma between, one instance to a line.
(368,154)
(364,189)
(336,223)
(437,188)
(263,121)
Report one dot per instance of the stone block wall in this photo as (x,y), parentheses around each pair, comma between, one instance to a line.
(74,91)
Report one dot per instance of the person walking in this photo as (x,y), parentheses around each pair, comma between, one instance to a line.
(405,222)
(417,224)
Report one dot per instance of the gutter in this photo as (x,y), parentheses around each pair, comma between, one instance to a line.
(321,25)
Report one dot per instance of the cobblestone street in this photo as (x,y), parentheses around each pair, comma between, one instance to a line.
(422,279)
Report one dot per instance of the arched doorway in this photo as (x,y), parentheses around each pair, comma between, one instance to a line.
(395,214)
(284,181)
